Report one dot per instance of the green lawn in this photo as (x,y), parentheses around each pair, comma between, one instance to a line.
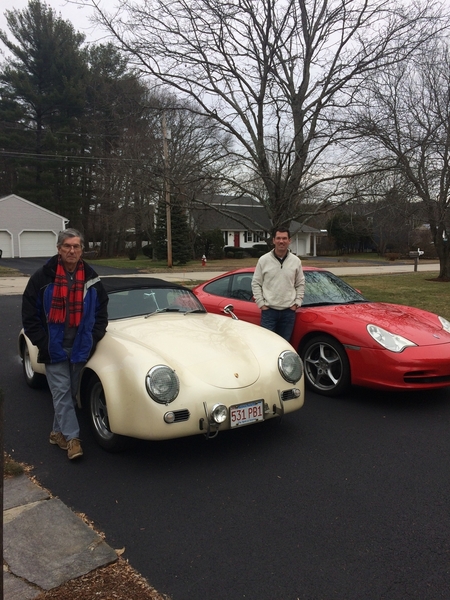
(413,289)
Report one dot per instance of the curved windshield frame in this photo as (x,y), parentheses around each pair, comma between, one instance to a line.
(124,304)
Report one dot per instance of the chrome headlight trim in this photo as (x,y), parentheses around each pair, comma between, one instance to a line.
(290,366)
(162,384)
(389,341)
(445,324)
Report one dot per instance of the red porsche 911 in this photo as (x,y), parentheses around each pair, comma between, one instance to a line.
(344,339)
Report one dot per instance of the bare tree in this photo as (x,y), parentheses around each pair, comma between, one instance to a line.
(406,115)
(275,75)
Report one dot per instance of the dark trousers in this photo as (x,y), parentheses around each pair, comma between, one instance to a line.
(279,321)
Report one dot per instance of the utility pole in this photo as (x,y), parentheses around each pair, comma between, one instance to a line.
(166,136)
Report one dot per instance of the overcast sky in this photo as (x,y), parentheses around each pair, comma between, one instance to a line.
(77,15)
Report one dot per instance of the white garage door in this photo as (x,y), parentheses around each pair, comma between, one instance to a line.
(6,244)
(37,243)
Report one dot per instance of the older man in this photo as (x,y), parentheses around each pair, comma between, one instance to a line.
(64,313)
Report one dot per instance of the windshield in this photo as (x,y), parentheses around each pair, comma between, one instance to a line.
(322,287)
(146,301)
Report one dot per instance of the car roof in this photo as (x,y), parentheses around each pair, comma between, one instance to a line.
(117,284)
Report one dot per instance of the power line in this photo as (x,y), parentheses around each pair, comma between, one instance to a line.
(69,157)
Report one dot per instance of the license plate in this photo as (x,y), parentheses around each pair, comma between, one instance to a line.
(243,414)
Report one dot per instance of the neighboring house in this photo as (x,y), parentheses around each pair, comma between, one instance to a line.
(28,230)
(305,239)
(245,222)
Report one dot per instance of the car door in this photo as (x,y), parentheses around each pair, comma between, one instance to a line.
(236,290)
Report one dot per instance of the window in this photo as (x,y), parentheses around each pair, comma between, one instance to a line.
(242,287)
(220,287)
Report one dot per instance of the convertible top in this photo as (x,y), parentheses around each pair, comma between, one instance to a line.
(132,282)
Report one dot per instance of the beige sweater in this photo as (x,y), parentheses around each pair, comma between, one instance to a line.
(277,285)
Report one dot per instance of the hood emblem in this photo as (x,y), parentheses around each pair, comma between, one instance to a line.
(435,335)
(236,375)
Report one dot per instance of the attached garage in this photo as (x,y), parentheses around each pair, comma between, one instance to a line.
(28,230)
(37,243)
(6,244)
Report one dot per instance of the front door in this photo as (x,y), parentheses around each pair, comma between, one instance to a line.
(237,238)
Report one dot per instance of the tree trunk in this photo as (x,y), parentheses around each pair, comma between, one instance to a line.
(443,252)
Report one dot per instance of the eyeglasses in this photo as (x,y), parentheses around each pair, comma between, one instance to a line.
(69,247)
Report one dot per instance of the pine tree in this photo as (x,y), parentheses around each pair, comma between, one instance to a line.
(180,233)
(45,79)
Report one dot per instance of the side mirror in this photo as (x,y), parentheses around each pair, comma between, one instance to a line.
(228,310)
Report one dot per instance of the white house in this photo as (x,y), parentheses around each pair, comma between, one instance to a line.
(28,230)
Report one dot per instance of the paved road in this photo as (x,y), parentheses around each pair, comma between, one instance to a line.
(27,266)
(347,499)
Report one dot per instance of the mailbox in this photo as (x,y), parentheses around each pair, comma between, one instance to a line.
(416,253)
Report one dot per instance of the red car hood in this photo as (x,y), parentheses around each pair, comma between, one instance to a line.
(421,327)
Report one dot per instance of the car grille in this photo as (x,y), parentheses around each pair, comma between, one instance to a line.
(181,415)
(425,377)
(287,395)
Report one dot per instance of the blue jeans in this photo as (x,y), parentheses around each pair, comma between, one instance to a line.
(63,380)
(279,321)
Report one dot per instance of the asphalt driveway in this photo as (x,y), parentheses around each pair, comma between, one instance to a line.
(27,266)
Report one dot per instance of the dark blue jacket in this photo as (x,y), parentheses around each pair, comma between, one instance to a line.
(48,337)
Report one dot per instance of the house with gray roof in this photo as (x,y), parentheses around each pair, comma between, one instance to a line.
(28,230)
(244,222)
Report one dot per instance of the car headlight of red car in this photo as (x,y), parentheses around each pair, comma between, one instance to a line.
(390,341)
(162,384)
(290,366)
(445,324)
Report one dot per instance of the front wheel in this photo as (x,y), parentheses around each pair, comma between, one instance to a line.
(98,415)
(327,370)
(33,379)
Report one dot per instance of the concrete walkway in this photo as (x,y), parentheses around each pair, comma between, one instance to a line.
(45,544)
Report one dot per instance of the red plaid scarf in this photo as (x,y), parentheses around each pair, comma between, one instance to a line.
(60,292)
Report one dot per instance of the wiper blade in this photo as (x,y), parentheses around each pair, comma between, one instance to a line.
(195,310)
(162,310)
(323,303)
(336,303)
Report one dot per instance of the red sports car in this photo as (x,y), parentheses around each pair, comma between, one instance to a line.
(345,339)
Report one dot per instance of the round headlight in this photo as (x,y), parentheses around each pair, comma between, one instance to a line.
(290,366)
(162,384)
(219,413)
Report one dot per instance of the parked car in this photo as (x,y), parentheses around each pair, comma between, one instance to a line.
(167,369)
(345,339)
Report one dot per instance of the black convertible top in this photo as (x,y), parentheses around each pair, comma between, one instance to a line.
(133,282)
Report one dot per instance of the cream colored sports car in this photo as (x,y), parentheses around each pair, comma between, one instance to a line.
(166,368)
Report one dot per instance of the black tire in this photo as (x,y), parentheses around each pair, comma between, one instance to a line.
(32,379)
(327,370)
(98,416)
